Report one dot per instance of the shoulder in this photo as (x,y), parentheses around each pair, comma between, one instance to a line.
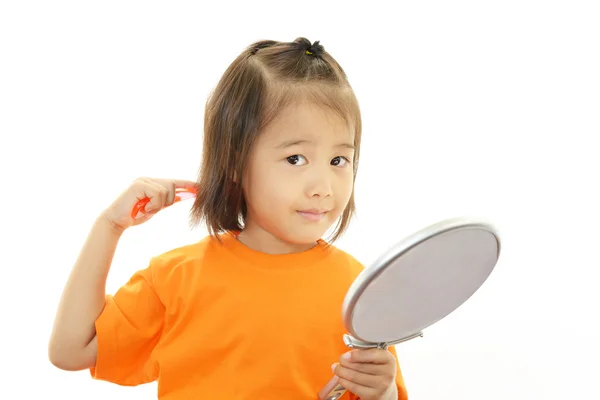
(345,260)
(190,256)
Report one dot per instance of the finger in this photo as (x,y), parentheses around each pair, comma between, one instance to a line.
(185,184)
(355,376)
(362,392)
(373,356)
(365,368)
(173,184)
(157,195)
(170,187)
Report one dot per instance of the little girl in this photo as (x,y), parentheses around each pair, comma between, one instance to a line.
(253,310)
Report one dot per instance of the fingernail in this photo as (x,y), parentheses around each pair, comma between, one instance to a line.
(333,367)
(346,356)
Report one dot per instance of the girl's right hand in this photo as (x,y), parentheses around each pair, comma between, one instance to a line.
(161,193)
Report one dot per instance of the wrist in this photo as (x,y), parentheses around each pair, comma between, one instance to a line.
(107,225)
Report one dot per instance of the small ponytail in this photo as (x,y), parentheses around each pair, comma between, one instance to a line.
(314,49)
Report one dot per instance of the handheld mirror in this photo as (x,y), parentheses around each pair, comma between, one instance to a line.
(415,284)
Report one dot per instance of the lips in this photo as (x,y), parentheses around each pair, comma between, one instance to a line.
(314,211)
(313,214)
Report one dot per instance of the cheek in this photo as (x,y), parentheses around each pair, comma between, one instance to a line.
(345,188)
(269,189)
(282,191)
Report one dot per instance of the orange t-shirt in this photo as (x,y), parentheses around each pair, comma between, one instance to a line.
(218,320)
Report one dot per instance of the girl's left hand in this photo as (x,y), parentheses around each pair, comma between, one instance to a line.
(370,374)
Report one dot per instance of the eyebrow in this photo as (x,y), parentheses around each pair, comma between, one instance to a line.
(290,143)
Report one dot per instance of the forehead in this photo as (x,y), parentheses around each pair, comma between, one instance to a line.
(307,121)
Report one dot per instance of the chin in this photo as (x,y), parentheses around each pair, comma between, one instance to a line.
(303,235)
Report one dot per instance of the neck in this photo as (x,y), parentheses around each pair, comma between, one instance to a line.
(261,240)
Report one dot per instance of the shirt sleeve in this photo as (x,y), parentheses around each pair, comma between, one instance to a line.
(127,332)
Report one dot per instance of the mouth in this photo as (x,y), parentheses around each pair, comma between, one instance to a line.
(312,214)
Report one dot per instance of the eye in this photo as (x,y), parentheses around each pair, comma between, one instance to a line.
(295,159)
(340,161)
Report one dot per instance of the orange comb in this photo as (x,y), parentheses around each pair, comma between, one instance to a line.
(180,194)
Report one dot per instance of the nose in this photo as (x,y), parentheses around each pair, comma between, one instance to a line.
(320,184)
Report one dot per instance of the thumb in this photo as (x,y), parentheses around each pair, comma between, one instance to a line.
(143,217)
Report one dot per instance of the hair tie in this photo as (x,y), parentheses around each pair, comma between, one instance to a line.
(315,49)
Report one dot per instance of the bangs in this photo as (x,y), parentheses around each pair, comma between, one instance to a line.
(340,100)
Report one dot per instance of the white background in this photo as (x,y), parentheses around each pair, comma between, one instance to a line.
(470,108)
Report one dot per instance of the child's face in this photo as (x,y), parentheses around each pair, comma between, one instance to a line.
(300,175)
